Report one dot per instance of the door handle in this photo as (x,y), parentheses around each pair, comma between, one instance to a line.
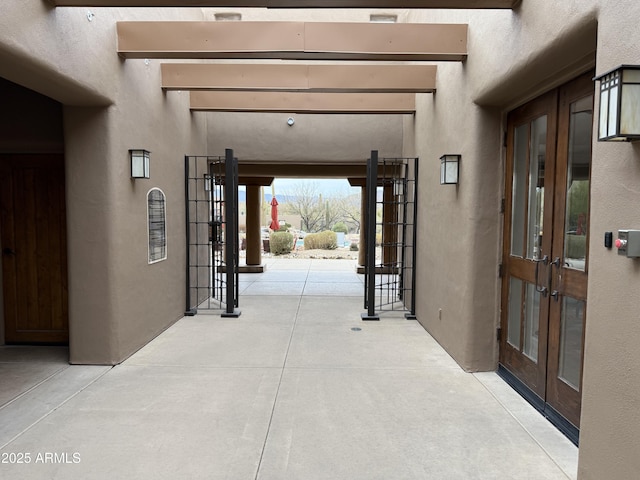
(556,263)
(8,251)
(543,290)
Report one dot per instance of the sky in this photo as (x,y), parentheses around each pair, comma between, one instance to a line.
(325,186)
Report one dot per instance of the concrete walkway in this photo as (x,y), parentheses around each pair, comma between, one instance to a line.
(297,388)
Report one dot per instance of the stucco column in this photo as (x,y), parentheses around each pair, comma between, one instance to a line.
(362,252)
(254,248)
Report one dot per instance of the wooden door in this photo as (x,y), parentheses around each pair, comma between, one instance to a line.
(34,249)
(531,141)
(545,247)
(569,259)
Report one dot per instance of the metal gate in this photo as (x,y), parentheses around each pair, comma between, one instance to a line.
(211,200)
(390,238)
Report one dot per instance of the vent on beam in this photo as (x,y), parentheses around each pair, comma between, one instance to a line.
(227,17)
(383,18)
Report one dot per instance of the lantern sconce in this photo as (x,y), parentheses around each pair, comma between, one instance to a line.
(449,169)
(139,163)
(208,182)
(619,117)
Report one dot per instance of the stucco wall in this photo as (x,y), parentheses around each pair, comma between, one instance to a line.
(611,383)
(313,138)
(117,301)
(513,57)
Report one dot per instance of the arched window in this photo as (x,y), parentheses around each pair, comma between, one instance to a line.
(156,216)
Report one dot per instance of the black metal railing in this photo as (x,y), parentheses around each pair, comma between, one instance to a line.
(390,239)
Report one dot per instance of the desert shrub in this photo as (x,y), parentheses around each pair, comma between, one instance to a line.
(280,243)
(326,240)
(340,227)
(353,247)
(378,239)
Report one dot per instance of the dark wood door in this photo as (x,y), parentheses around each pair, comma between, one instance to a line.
(34,249)
(568,267)
(531,141)
(545,245)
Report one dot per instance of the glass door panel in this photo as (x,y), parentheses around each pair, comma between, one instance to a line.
(576,226)
(536,187)
(571,333)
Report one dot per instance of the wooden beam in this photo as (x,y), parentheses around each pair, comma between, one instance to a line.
(300,78)
(293,40)
(297,102)
(387,4)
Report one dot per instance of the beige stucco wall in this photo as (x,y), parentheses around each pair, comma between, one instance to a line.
(313,138)
(611,393)
(117,301)
(513,57)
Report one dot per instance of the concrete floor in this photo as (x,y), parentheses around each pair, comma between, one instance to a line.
(286,391)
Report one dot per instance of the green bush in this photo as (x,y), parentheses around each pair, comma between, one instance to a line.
(280,243)
(340,227)
(326,240)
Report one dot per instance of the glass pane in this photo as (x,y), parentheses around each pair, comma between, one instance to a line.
(576,226)
(531,322)
(613,111)
(515,312)
(604,113)
(519,189)
(629,116)
(536,186)
(570,362)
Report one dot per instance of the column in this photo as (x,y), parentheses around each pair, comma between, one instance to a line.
(254,243)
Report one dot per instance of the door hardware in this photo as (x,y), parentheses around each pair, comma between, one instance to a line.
(545,261)
(556,262)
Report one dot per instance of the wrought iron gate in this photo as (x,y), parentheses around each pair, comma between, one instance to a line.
(390,239)
(211,200)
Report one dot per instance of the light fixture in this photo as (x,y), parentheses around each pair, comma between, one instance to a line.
(207,182)
(139,163)
(449,169)
(290,121)
(619,104)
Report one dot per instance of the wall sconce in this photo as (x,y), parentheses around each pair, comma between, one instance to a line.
(619,104)
(449,169)
(208,184)
(139,163)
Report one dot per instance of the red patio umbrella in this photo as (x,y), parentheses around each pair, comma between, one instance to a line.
(274,214)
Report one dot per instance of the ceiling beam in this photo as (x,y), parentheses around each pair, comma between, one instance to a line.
(300,78)
(303,170)
(297,102)
(387,4)
(293,40)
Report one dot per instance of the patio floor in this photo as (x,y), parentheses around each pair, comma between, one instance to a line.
(297,387)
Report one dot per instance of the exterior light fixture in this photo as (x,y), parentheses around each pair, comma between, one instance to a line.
(449,169)
(619,104)
(290,121)
(207,182)
(139,163)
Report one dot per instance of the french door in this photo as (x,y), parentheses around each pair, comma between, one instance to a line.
(545,257)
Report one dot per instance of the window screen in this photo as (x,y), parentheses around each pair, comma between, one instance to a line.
(157,225)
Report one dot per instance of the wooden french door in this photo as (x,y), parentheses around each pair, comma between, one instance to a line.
(34,249)
(545,256)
